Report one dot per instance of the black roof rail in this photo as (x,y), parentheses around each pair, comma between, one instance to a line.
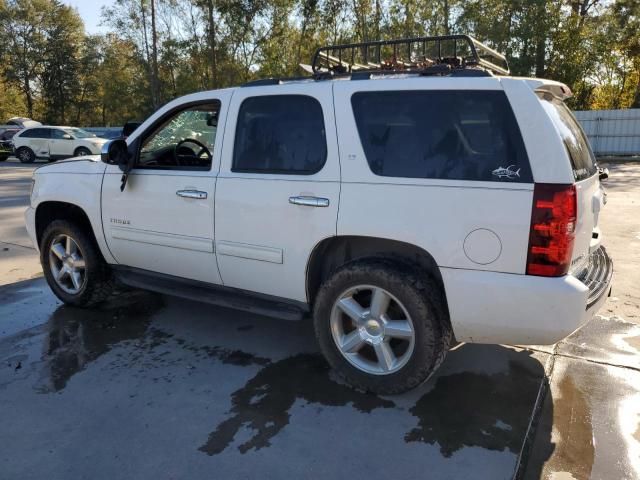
(408,55)
(273,81)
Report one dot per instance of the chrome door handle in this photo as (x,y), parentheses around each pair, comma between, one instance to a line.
(197,194)
(309,201)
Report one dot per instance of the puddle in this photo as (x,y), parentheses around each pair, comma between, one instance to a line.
(77,337)
(263,404)
(477,410)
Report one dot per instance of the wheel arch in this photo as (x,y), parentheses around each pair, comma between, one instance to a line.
(49,211)
(331,253)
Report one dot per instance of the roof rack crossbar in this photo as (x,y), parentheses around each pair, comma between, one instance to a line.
(333,58)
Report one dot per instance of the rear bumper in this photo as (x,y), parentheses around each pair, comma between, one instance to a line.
(490,307)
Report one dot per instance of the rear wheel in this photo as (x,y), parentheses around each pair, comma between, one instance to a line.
(383,327)
(73,266)
(26,155)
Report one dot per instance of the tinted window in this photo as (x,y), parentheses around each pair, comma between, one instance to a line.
(280,134)
(57,134)
(456,135)
(582,158)
(35,133)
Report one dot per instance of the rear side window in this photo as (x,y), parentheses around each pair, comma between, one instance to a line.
(583,161)
(36,133)
(443,134)
(280,134)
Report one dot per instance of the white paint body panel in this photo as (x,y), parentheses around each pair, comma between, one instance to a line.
(263,241)
(436,215)
(247,235)
(73,181)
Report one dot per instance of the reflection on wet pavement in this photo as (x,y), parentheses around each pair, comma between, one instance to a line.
(477,403)
(77,337)
(263,404)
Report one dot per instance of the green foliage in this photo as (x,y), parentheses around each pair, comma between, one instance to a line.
(160,49)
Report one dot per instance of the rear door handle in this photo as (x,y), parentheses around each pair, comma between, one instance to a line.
(309,201)
(197,194)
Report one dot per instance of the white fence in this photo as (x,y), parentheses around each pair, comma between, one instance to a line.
(612,132)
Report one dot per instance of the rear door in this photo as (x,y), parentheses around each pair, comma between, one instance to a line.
(590,196)
(278,188)
(38,141)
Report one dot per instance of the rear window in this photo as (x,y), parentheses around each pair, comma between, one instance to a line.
(454,135)
(583,161)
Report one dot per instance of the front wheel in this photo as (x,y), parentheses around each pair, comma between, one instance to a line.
(382,326)
(72,265)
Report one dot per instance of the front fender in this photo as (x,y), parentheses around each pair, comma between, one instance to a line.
(76,182)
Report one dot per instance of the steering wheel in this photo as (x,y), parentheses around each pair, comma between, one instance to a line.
(203,149)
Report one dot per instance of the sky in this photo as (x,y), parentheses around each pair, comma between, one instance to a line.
(90,12)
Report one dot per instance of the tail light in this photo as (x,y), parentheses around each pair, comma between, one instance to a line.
(553,226)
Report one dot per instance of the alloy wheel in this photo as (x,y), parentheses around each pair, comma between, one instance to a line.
(67,264)
(372,330)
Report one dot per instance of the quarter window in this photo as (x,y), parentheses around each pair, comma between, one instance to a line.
(443,134)
(583,161)
(280,134)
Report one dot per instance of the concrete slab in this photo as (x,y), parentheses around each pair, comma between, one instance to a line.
(592,416)
(607,340)
(155,387)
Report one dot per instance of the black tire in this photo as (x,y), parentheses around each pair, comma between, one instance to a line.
(81,152)
(99,284)
(25,155)
(424,302)
(3,158)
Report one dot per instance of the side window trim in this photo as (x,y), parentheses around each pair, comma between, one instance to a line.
(235,169)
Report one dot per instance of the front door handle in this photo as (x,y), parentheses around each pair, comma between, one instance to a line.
(197,194)
(309,201)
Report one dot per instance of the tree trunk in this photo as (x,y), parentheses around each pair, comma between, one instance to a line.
(154,59)
(212,44)
(636,97)
(446,15)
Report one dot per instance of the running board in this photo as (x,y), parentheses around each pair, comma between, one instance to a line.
(234,298)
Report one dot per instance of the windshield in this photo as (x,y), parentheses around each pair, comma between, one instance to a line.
(79,133)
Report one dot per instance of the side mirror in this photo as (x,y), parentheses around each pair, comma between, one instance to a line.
(116,152)
(66,136)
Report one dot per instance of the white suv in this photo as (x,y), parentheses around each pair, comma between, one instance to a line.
(401,210)
(55,143)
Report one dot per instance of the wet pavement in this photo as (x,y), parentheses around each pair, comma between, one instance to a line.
(162,388)
(158,387)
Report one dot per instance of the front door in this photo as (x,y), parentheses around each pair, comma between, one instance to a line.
(278,187)
(60,144)
(163,220)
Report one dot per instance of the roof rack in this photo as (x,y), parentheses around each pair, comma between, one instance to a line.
(419,54)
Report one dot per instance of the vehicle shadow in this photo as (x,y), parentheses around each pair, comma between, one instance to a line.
(484,396)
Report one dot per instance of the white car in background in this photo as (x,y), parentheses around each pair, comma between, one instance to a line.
(55,143)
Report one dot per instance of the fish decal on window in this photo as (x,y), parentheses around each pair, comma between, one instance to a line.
(510,172)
